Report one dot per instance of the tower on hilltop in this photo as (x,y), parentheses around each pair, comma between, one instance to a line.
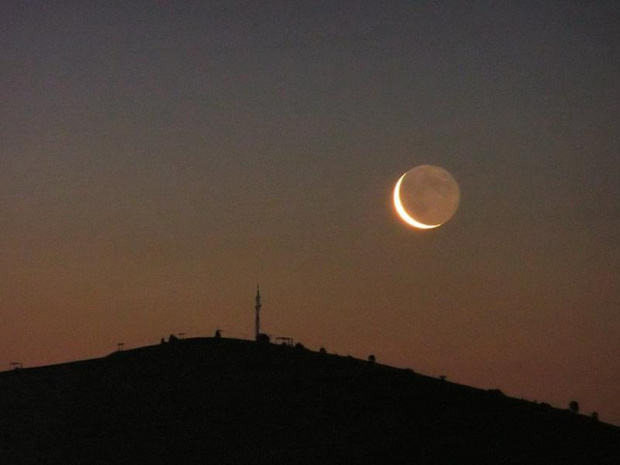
(257,318)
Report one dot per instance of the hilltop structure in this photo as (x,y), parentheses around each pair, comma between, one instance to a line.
(257,318)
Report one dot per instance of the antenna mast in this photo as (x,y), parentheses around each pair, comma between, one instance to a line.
(257,319)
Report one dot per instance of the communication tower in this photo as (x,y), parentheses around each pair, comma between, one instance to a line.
(257,318)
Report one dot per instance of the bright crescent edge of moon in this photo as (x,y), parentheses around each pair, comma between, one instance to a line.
(403,213)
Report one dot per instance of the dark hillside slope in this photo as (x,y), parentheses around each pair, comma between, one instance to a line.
(232,401)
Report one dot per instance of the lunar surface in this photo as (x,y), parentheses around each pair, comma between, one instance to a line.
(426,196)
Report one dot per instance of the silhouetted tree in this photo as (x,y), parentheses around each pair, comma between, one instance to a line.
(574,406)
(218,333)
(595,416)
(299,345)
(442,377)
(322,351)
(371,358)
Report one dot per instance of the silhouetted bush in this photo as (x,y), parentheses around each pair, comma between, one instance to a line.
(574,406)
(322,351)
(595,416)
(372,359)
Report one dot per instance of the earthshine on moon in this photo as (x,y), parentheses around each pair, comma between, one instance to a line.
(426,196)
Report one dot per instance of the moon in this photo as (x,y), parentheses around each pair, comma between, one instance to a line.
(426,196)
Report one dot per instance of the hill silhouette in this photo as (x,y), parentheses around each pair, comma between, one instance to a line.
(212,400)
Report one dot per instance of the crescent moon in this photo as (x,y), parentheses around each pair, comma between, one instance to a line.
(403,213)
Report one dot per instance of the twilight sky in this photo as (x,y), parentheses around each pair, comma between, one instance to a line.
(159,158)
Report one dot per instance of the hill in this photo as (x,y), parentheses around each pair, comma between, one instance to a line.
(211,400)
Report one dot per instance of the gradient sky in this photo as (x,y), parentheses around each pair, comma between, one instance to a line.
(159,158)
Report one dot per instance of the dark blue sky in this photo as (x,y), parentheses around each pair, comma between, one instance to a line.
(160,158)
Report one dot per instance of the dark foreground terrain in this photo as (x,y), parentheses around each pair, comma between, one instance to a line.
(237,402)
